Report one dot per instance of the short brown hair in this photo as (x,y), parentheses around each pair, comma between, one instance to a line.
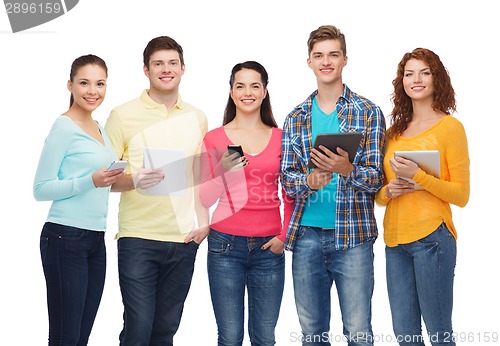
(162,43)
(326,32)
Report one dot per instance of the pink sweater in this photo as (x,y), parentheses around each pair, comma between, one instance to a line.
(248,201)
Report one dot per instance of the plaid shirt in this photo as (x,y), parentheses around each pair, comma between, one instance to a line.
(355,222)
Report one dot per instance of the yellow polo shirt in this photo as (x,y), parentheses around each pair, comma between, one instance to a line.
(144,123)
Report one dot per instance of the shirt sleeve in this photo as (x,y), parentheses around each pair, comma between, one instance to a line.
(456,155)
(367,174)
(113,131)
(47,186)
(211,187)
(294,169)
(288,204)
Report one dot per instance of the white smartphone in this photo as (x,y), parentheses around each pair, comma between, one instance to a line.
(118,164)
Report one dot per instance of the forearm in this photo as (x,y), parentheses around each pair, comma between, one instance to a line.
(295,184)
(126,183)
(202,212)
(456,188)
(210,192)
(202,215)
(55,189)
(455,192)
(367,173)
(288,205)
(381,197)
(367,179)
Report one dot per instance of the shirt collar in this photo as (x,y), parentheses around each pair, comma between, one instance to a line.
(347,94)
(305,107)
(151,104)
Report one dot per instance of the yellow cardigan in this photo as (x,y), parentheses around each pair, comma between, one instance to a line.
(415,215)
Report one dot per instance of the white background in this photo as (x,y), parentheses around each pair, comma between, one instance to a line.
(34,68)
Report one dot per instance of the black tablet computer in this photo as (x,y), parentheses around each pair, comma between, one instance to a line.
(348,141)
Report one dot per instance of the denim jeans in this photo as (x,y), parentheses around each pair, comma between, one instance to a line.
(420,285)
(155,277)
(74,264)
(236,262)
(315,266)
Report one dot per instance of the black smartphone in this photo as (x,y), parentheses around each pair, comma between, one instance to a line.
(235,149)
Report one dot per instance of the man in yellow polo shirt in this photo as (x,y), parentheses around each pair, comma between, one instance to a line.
(157,237)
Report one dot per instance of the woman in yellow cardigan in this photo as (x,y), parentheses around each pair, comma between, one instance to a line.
(419,233)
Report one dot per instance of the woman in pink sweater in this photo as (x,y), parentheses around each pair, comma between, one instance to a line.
(418,228)
(246,240)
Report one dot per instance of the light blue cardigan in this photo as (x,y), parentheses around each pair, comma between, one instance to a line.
(64,176)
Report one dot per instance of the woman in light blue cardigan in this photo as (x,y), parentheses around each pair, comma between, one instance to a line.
(72,174)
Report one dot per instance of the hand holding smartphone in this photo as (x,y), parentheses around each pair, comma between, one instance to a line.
(237,162)
(231,148)
(117,164)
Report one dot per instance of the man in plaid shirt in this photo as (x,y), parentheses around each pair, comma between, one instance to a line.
(333,227)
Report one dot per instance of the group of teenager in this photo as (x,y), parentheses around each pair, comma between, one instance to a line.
(262,202)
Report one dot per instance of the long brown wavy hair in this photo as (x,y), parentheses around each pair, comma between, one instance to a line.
(444,95)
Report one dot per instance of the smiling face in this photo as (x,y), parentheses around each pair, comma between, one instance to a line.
(327,61)
(88,87)
(418,81)
(247,91)
(164,72)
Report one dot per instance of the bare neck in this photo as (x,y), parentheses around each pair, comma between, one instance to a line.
(422,111)
(79,115)
(246,121)
(328,96)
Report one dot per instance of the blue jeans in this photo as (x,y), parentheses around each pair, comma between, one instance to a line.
(74,264)
(155,277)
(236,262)
(316,265)
(420,285)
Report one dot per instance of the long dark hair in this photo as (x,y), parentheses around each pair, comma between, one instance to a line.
(444,95)
(266,111)
(83,61)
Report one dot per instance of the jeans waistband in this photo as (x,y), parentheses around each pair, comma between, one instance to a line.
(321,228)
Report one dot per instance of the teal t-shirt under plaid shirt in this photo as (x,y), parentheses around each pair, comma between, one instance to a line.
(319,210)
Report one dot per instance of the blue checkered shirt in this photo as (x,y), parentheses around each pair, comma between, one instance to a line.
(355,220)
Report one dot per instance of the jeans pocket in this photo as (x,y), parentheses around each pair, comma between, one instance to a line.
(219,243)
(432,239)
(282,253)
(53,230)
(300,232)
(44,245)
(74,234)
(194,245)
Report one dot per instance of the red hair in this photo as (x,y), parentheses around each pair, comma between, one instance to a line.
(444,95)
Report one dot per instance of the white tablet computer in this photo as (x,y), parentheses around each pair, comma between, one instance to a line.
(348,141)
(173,164)
(427,160)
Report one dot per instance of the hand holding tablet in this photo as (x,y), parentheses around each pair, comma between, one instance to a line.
(348,141)
(427,160)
